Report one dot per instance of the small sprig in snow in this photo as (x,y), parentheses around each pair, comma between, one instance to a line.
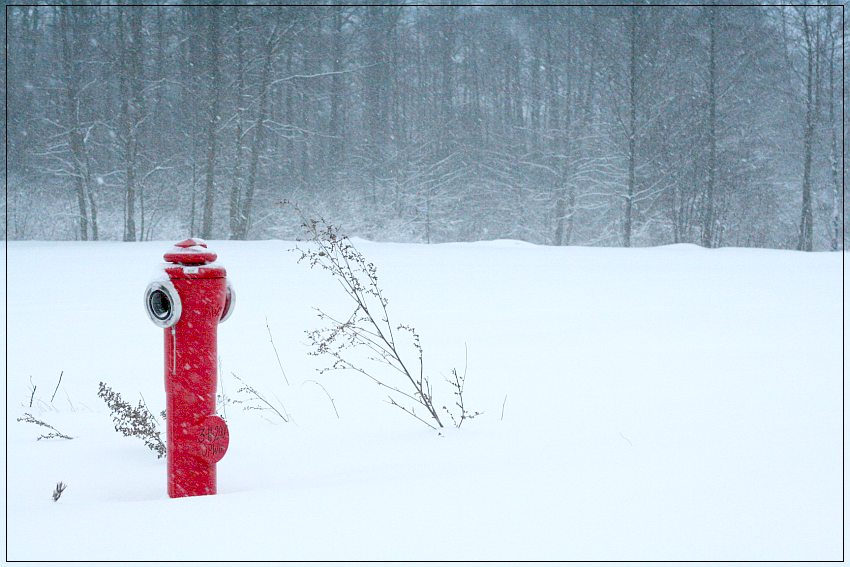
(57,492)
(53,432)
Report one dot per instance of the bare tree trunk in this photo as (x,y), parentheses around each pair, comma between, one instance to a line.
(92,205)
(257,146)
(129,53)
(306,112)
(551,83)
(836,241)
(131,48)
(289,112)
(535,95)
(336,126)
(137,77)
(236,190)
(160,68)
(137,108)
(566,200)
(212,121)
(806,221)
(630,189)
(428,198)
(75,137)
(448,83)
(553,127)
(376,92)
(708,211)
(189,88)
(193,206)
(91,191)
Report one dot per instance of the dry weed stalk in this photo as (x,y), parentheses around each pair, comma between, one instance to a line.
(369,331)
(132,421)
(57,492)
(54,433)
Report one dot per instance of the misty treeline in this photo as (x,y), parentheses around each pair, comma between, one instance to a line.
(620,126)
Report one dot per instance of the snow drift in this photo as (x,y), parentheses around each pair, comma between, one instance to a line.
(648,404)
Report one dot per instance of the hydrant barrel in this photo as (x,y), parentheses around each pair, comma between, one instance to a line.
(189,301)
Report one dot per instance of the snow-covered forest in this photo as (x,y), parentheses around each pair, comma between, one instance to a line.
(615,126)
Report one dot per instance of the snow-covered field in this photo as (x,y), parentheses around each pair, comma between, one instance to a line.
(671,403)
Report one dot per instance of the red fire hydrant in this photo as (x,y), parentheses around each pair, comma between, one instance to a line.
(189,301)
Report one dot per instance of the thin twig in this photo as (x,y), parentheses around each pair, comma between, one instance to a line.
(32,394)
(223,393)
(144,403)
(275,352)
(70,403)
(503,407)
(253,391)
(57,386)
(288,415)
(327,394)
(407,411)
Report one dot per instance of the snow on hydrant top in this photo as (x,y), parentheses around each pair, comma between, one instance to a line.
(190,252)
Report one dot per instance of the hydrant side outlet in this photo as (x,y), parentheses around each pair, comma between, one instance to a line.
(190,305)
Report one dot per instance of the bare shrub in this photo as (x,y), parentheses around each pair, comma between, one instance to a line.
(369,335)
(133,421)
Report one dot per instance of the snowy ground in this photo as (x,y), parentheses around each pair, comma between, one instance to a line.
(649,404)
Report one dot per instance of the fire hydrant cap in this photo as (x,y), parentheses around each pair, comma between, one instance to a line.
(190,252)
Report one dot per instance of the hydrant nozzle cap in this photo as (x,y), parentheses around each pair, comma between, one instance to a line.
(190,252)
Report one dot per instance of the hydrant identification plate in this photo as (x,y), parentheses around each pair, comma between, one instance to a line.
(211,439)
